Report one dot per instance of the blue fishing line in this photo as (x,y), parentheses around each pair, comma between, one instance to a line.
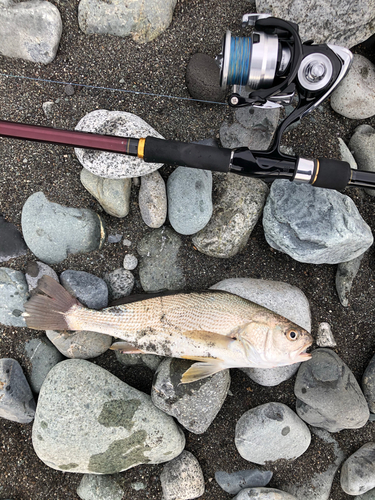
(239,63)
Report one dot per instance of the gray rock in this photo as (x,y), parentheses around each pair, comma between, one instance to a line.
(238,206)
(346,272)
(52,231)
(182,478)
(355,96)
(237,481)
(16,399)
(194,405)
(30,30)
(152,361)
(368,384)
(80,344)
(328,395)
(12,243)
(113,165)
(130,262)
(88,421)
(369,495)
(48,109)
(152,199)
(90,290)
(112,194)
(324,337)
(346,154)
(362,145)
(314,225)
(346,23)
(13,295)
(43,356)
(159,268)
(143,20)
(114,238)
(282,298)
(35,270)
(270,432)
(94,487)
(120,283)
(189,192)
(358,471)
(203,78)
(263,494)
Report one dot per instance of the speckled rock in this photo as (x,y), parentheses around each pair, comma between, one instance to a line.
(94,487)
(130,262)
(13,295)
(88,421)
(152,199)
(80,344)
(120,283)
(35,270)
(362,145)
(203,78)
(358,471)
(43,356)
(182,478)
(112,165)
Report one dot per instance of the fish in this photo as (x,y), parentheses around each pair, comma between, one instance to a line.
(214,328)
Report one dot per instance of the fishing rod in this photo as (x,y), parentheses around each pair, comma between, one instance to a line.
(273,66)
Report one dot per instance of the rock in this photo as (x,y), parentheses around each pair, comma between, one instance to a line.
(203,78)
(12,244)
(52,231)
(358,471)
(314,225)
(113,165)
(347,23)
(236,481)
(112,194)
(130,262)
(48,109)
(88,421)
(152,361)
(263,494)
(94,487)
(30,30)
(362,145)
(346,272)
(43,356)
(328,395)
(368,384)
(370,495)
(16,399)
(238,206)
(324,337)
(194,405)
(182,478)
(35,270)
(346,154)
(152,200)
(270,432)
(159,268)
(189,192)
(355,96)
(282,298)
(114,238)
(80,344)
(13,295)
(120,283)
(90,290)
(144,20)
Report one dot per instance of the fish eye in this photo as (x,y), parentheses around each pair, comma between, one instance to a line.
(292,335)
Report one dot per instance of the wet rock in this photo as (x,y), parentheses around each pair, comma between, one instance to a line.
(203,78)
(238,206)
(189,192)
(130,262)
(182,478)
(368,384)
(159,268)
(16,399)
(194,405)
(94,487)
(362,145)
(152,361)
(328,395)
(112,194)
(30,30)
(314,225)
(113,165)
(153,199)
(237,481)
(35,270)
(43,356)
(324,336)
(263,494)
(12,244)
(52,231)
(88,421)
(80,344)
(90,290)
(271,432)
(358,471)
(13,295)
(120,283)
(355,96)
(345,275)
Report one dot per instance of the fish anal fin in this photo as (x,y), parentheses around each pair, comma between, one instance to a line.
(200,370)
(125,348)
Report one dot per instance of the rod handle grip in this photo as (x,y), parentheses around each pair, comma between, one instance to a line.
(332,174)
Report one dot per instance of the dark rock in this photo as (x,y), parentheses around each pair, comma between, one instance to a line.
(203,78)
(11,244)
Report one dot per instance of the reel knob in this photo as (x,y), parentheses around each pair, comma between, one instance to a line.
(315,71)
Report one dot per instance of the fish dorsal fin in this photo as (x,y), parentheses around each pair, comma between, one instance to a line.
(125,348)
(203,369)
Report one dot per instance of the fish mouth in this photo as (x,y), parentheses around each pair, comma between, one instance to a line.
(302,355)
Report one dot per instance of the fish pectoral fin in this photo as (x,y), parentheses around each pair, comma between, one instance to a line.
(125,348)
(205,368)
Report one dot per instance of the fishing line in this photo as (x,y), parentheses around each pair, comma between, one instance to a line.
(166,96)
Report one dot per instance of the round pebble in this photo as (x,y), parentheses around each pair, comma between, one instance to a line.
(130,262)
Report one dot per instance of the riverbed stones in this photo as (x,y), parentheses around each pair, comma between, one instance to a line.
(120,283)
(358,471)
(263,494)
(80,344)
(13,295)
(194,405)
(152,200)
(236,481)
(152,361)
(328,395)
(362,145)
(12,243)
(89,289)
(270,432)
(94,487)
(113,165)
(182,478)
(35,270)
(53,231)
(43,356)
(90,422)
(30,30)
(314,225)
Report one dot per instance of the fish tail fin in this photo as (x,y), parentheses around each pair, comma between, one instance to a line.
(200,370)
(49,308)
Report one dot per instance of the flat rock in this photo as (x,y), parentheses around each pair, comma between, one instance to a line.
(113,165)
(314,225)
(88,421)
(362,145)
(90,290)
(152,199)
(182,478)
(263,494)
(12,243)
(203,78)
(13,295)
(30,30)
(52,231)
(80,344)
(345,275)
(94,487)
(328,395)
(236,481)
(43,356)
(358,471)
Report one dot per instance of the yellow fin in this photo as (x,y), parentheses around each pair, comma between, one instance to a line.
(125,348)
(201,370)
